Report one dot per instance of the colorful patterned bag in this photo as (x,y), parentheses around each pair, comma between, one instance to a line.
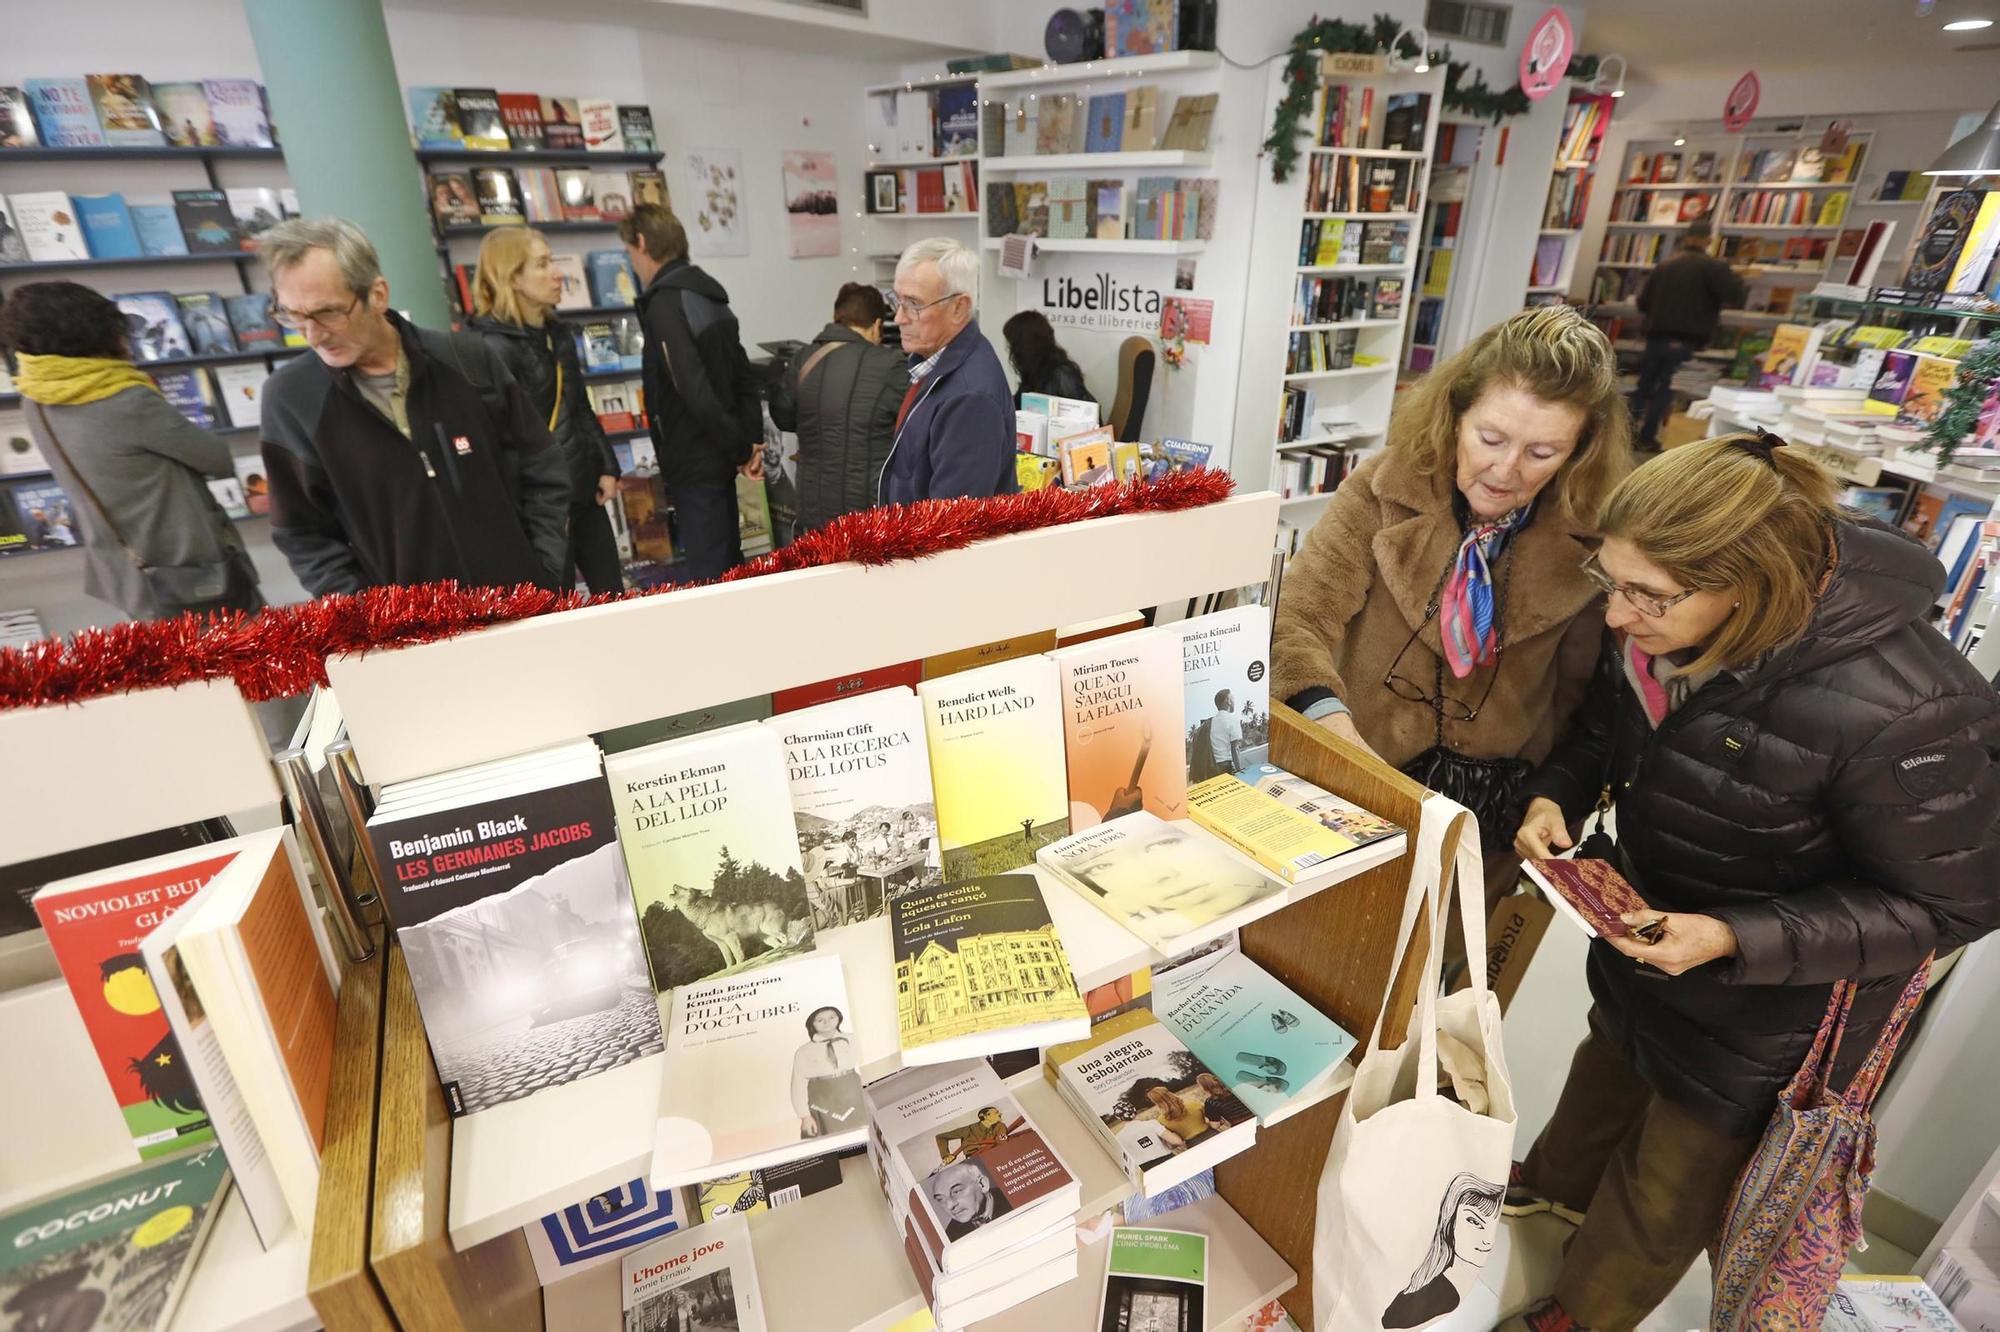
(1797,1206)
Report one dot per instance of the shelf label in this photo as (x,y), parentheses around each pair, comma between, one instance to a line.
(1350,64)
(1741,104)
(1545,55)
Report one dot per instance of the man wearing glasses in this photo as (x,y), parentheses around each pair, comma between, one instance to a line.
(955,429)
(396,454)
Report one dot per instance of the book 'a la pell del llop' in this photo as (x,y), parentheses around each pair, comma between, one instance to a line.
(996,748)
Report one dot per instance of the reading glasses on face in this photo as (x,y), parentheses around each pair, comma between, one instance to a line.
(1647,603)
(908,309)
(332,318)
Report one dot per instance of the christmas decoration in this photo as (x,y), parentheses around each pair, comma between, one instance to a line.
(1964,400)
(1473,98)
(284,649)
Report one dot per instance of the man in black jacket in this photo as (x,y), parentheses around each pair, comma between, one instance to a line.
(701,401)
(841,395)
(395,454)
(1683,301)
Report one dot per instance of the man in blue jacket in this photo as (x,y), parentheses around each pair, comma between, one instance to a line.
(955,429)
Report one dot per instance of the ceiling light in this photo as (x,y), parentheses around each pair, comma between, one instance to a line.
(1604,76)
(1976,154)
(1680,141)
(1418,34)
(1967,25)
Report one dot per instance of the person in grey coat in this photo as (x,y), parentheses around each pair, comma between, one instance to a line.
(841,394)
(134,469)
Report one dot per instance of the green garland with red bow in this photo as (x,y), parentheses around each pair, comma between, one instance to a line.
(1467,95)
(1965,400)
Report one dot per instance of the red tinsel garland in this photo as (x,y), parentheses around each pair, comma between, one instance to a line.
(284,650)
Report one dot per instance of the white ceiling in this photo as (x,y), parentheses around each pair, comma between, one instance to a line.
(1669,39)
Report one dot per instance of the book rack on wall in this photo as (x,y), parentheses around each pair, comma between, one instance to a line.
(1571,177)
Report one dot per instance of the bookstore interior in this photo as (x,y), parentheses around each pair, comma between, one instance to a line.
(584,958)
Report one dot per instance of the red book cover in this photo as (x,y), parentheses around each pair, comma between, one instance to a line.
(95,934)
(930,189)
(909,673)
(522,113)
(1591,892)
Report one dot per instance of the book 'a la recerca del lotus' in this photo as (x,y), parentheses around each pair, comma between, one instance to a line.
(1268,1044)
(980,969)
(996,748)
(860,775)
(1168,883)
(706,823)
(762,1069)
(703,1278)
(508,893)
(1122,726)
(1226,690)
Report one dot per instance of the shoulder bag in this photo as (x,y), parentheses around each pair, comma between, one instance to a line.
(171,589)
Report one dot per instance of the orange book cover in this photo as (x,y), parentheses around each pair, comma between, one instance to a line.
(278,943)
(987,654)
(1122,724)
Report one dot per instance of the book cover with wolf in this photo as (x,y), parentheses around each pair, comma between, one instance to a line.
(713,852)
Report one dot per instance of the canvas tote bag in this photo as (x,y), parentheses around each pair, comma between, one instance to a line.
(1409,1201)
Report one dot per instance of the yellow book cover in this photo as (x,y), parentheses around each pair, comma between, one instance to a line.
(1036,473)
(1329,243)
(1976,255)
(996,747)
(1832,209)
(1122,718)
(1125,460)
(1284,841)
(989,654)
(1788,347)
(1939,344)
(1438,278)
(1929,382)
(979,959)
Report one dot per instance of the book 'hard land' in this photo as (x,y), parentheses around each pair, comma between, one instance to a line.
(996,748)
(1122,726)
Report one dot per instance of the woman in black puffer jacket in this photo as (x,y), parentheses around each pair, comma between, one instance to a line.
(1807,784)
(514,296)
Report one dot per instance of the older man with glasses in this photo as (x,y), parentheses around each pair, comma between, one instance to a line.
(397,454)
(955,428)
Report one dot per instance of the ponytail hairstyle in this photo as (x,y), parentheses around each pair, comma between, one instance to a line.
(1742,514)
(1551,351)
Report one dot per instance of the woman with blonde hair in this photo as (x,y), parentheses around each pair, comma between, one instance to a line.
(1436,613)
(1806,789)
(514,297)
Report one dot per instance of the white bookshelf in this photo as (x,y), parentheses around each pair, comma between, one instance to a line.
(1090,71)
(1091,245)
(1574,166)
(1098,163)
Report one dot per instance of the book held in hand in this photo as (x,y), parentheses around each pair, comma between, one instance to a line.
(980,969)
(1590,892)
(1168,883)
(699,1279)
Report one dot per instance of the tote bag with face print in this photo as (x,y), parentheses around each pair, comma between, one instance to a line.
(1409,1201)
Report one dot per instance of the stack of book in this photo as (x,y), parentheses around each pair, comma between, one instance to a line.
(986,1207)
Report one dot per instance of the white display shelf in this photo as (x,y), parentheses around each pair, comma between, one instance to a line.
(1160,157)
(520,1161)
(1799,230)
(1089,245)
(237,1286)
(1560,231)
(1789,185)
(1359,216)
(1547,289)
(1644,226)
(922,217)
(1349,323)
(1350,372)
(1324,441)
(925,81)
(915,162)
(1395,154)
(1335,270)
(1304,501)
(1089,71)
(1671,185)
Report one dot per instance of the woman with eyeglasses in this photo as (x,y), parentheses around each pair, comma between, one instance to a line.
(1806,790)
(1437,613)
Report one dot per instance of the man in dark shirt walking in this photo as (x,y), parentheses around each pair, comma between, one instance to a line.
(1682,301)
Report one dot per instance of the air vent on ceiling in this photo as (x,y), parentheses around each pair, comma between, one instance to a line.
(1468,20)
(857,7)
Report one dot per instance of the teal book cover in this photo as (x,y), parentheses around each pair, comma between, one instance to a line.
(1265,1041)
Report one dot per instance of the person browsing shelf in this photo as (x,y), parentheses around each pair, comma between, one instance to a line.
(514,296)
(955,425)
(1437,613)
(134,469)
(1039,361)
(397,454)
(840,395)
(1806,791)
(1682,300)
(701,401)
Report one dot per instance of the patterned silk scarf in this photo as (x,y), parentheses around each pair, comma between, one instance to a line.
(1466,623)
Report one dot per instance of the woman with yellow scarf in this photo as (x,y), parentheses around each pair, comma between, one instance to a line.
(134,469)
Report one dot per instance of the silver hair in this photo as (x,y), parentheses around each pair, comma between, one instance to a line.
(288,243)
(958,266)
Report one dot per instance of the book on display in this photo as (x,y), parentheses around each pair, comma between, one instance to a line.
(237,107)
(980,969)
(48,226)
(124,104)
(1157,1108)
(996,749)
(63,112)
(1226,689)
(602,1227)
(762,1068)
(1349,820)
(708,836)
(1122,709)
(1295,846)
(17,120)
(1167,883)
(561,130)
(1154,1279)
(597,117)
(206,320)
(480,122)
(747,1191)
(158,228)
(186,391)
(1268,1044)
(703,1279)
(499,196)
(508,893)
(207,222)
(108,230)
(185,117)
(522,115)
(434,118)
(153,326)
(635,128)
(799,697)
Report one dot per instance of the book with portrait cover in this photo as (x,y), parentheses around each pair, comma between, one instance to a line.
(63,110)
(980,969)
(241,118)
(962,1160)
(764,1071)
(1290,844)
(607,1224)
(184,113)
(115,1254)
(1168,883)
(996,746)
(1122,726)
(124,104)
(861,798)
(508,894)
(17,120)
(561,130)
(96,923)
(706,826)
(704,1278)
(1156,1107)
(1590,892)
(1225,689)
(1155,1279)
(1262,1039)
(480,123)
